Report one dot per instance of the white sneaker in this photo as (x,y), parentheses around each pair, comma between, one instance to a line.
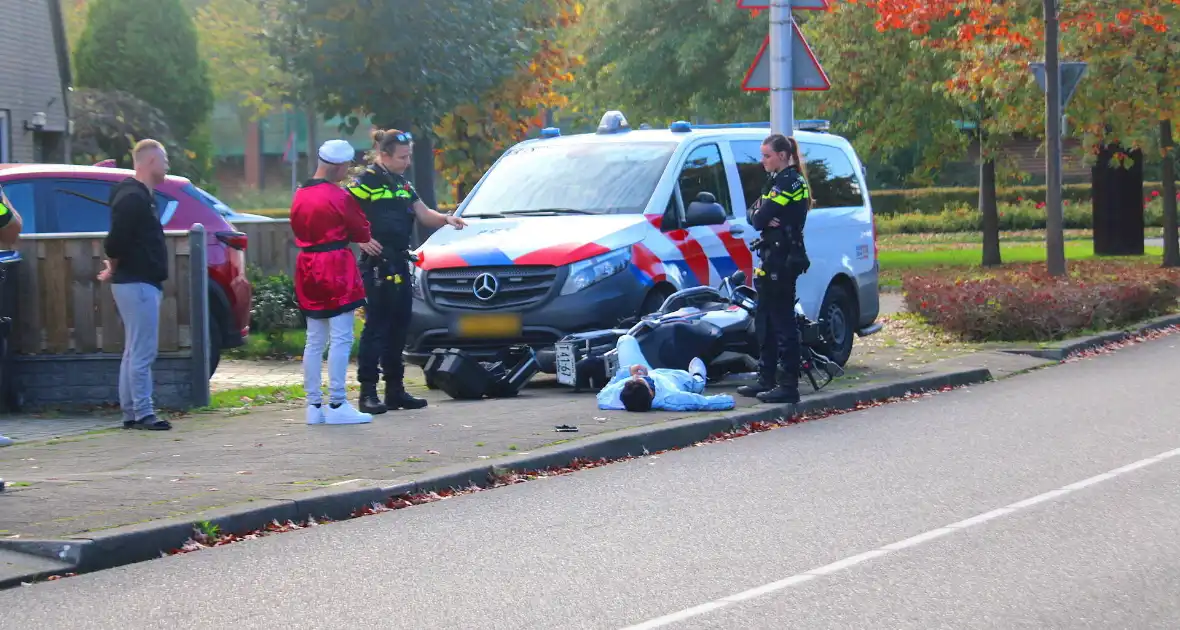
(345,414)
(696,367)
(5,441)
(315,414)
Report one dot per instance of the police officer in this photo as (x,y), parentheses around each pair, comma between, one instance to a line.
(779,215)
(392,205)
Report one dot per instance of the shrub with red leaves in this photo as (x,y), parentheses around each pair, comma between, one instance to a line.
(1024,303)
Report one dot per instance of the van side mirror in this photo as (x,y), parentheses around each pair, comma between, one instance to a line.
(704,211)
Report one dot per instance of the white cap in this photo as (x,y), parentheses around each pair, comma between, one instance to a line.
(337,152)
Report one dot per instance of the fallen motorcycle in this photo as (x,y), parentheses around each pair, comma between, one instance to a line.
(715,324)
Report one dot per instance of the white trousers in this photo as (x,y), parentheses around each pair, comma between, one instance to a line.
(336,335)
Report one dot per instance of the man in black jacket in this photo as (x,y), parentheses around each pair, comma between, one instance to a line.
(137,269)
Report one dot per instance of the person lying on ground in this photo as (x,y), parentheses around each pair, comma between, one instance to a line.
(637,387)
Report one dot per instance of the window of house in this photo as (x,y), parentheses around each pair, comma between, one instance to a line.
(704,171)
(21,196)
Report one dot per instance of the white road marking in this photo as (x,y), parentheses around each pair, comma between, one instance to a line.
(908,543)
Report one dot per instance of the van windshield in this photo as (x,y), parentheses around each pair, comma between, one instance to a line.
(567,178)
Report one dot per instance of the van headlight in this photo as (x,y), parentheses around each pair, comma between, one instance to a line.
(416,282)
(586,273)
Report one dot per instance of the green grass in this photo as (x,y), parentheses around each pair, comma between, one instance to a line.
(290,344)
(252,396)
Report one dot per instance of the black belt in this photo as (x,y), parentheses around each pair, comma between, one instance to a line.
(326,247)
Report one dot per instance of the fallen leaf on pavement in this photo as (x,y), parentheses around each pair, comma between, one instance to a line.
(244,472)
(432,452)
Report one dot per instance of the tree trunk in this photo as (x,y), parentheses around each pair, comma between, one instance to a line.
(1118,204)
(424,167)
(1171,232)
(990,213)
(313,144)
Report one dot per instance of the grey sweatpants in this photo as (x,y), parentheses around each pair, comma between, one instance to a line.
(139,307)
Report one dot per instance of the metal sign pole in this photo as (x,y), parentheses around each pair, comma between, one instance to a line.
(782,101)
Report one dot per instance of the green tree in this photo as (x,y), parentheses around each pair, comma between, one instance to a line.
(406,64)
(147,48)
(664,60)
(474,135)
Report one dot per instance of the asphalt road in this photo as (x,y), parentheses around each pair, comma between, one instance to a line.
(1045,501)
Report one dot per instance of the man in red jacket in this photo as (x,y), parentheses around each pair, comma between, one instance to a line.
(325,220)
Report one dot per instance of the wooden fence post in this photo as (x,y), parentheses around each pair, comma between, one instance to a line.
(199,315)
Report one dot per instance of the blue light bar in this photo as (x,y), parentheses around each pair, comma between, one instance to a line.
(680,126)
(550,132)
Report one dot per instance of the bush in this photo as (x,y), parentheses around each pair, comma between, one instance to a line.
(1023,303)
(1022,215)
(935,200)
(275,309)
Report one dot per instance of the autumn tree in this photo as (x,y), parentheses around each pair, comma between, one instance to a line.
(989,44)
(883,96)
(242,69)
(406,64)
(664,60)
(474,135)
(147,48)
(1125,105)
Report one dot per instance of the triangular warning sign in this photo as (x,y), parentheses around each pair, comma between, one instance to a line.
(806,73)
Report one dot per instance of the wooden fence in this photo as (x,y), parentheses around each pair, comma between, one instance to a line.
(63,308)
(271,245)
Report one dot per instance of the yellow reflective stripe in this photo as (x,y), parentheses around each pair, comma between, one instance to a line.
(3,209)
(384,193)
(404,194)
(779,199)
(359,192)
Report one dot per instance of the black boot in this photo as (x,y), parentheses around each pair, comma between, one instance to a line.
(398,398)
(370,403)
(752,391)
(781,394)
(787,390)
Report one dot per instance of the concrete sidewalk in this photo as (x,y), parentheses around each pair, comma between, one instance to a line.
(112,477)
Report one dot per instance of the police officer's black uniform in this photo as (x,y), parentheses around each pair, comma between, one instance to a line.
(387,199)
(787,197)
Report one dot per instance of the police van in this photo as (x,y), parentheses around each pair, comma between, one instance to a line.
(568,234)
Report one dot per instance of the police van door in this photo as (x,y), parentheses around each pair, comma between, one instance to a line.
(713,252)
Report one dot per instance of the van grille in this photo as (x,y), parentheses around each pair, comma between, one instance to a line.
(516,287)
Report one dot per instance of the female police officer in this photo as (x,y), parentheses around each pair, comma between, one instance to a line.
(391,205)
(779,216)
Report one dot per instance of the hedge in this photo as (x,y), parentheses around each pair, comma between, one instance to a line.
(935,200)
(1025,303)
(1022,215)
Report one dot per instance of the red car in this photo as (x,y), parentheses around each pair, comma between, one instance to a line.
(55,198)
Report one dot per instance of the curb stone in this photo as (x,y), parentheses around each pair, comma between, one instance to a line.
(130,544)
(1062,350)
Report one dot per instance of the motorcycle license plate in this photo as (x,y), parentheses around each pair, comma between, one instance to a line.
(566,363)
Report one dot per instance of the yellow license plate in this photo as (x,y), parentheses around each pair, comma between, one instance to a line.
(489,325)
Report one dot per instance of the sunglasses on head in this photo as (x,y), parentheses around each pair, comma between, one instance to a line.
(404,137)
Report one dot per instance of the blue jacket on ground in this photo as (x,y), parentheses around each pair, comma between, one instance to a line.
(675,390)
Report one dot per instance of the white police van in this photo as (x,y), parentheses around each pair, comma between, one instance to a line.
(568,234)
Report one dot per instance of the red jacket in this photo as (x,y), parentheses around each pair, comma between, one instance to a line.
(325,217)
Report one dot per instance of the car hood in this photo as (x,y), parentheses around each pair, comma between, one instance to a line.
(555,240)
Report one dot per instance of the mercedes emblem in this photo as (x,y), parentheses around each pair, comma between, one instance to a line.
(485,286)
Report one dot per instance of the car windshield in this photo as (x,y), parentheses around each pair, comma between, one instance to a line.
(209,200)
(567,178)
